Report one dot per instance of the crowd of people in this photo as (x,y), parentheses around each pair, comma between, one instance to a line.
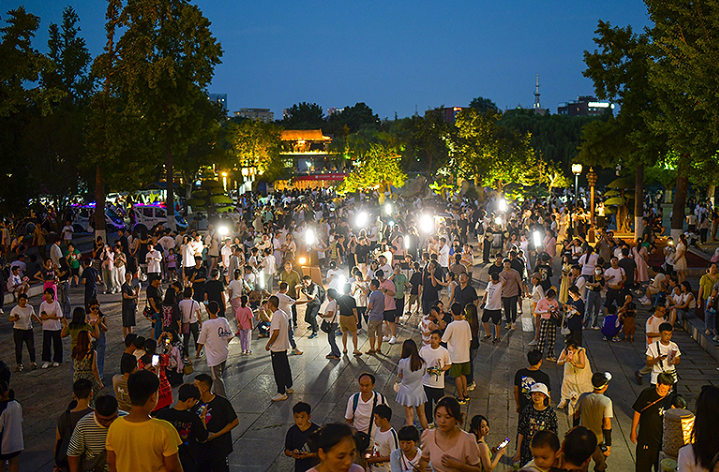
(355,265)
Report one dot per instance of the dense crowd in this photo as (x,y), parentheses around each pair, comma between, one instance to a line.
(357,266)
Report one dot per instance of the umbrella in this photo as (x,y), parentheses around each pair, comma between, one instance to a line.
(220,199)
(621,183)
(616,201)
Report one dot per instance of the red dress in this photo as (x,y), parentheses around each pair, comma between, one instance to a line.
(164,395)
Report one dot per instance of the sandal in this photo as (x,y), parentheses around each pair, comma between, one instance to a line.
(370,352)
(357,353)
(344,351)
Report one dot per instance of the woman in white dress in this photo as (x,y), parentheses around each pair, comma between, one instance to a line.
(411,394)
(577,375)
(680,260)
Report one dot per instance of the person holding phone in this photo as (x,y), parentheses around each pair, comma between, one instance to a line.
(479,426)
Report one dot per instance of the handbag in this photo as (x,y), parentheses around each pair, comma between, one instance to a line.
(185,328)
(326,326)
(96,464)
(188,368)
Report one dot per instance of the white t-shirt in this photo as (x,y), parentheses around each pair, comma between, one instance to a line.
(235,288)
(663,366)
(494,296)
(443,256)
(434,358)
(52,309)
(67,231)
(687,462)
(588,264)
(286,302)
(652,326)
(188,308)
(458,337)
(226,252)
(330,312)
(25,314)
(383,445)
(618,273)
(280,323)
(188,256)
(362,415)
(215,335)
(581,284)
(537,293)
(153,259)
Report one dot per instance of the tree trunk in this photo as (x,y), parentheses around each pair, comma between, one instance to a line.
(638,202)
(678,209)
(170,186)
(711,190)
(99,219)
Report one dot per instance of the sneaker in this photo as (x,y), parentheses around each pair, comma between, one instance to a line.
(507,325)
(279,397)
(296,352)
(332,357)
(463,401)
(514,325)
(393,340)
(596,328)
(385,339)
(534,342)
(55,364)
(290,390)
(19,368)
(639,377)
(472,386)
(495,340)
(45,365)
(312,336)
(33,366)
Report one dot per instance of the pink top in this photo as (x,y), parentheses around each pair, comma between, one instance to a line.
(464,449)
(543,307)
(243,315)
(389,303)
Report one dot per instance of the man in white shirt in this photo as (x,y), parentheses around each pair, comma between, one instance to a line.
(360,406)
(492,303)
(67,232)
(154,260)
(278,344)
(215,335)
(443,256)
(167,242)
(52,323)
(56,252)
(664,355)
(191,315)
(383,265)
(286,304)
(458,337)
(615,278)
(438,362)
(226,252)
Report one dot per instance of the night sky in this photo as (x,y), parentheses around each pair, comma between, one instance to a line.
(394,56)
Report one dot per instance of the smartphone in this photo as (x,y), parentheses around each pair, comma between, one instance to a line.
(503,443)
(155,360)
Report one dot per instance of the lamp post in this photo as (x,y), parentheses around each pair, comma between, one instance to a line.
(592,180)
(576,170)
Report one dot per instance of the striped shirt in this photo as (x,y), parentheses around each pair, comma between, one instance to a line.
(89,438)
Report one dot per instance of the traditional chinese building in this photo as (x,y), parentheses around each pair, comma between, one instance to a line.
(312,164)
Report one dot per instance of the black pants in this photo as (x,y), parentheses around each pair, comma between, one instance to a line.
(647,458)
(23,336)
(294,315)
(433,396)
(51,338)
(510,308)
(311,316)
(195,333)
(472,353)
(614,295)
(208,463)
(281,369)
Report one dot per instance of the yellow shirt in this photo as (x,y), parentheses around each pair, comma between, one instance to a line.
(140,447)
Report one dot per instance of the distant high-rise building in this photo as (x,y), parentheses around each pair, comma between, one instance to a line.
(334,110)
(259,114)
(286,113)
(220,98)
(584,106)
(448,114)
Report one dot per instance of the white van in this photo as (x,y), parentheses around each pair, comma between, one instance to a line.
(81,219)
(146,216)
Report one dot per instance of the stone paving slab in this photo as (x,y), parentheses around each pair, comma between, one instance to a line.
(326,386)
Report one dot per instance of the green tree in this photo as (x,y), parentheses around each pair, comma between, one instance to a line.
(22,97)
(351,120)
(258,144)
(378,170)
(685,47)
(619,70)
(425,141)
(165,59)
(484,105)
(304,116)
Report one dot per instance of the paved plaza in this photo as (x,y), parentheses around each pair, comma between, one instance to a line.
(326,386)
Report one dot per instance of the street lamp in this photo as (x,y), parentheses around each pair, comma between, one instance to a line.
(592,181)
(576,170)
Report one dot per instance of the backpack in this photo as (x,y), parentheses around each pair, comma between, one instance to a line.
(377,397)
(321,293)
